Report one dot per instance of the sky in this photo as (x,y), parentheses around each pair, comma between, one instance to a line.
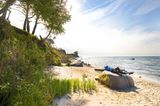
(111,28)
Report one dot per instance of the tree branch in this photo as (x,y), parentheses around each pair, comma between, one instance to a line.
(35,25)
(32,16)
(4,10)
(47,35)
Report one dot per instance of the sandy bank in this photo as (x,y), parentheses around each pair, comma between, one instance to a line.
(146,93)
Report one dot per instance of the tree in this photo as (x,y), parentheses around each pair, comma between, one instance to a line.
(53,14)
(27,6)
(58,17)
(5,6)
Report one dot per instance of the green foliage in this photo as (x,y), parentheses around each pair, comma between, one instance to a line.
(23,59)
(53,56)
(33,94)
(64,57)
(53,13)
(21,69)
(104,79)
(1,4)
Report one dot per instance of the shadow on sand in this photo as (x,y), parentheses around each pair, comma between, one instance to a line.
(132,89)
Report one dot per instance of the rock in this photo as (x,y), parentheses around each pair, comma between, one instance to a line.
(77,63)
(119,82)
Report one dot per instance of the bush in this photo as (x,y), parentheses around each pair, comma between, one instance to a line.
(23,58)
(21,70)
(104,79)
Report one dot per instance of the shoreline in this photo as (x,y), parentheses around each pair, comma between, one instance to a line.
(145,78)
(135,75)
(145,93)
(145,66)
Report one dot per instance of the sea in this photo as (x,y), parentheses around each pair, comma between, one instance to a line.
(146,66)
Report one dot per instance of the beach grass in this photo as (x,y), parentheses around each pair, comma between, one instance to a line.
(60,87)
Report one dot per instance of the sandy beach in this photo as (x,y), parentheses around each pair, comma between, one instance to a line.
(145,93)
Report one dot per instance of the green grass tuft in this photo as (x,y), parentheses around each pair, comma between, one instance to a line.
(60,87)
(104,79)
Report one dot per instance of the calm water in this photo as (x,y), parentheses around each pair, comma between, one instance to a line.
(148,66)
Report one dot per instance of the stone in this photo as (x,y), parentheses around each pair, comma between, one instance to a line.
(77,63)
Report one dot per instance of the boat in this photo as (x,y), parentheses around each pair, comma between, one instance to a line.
(132,58)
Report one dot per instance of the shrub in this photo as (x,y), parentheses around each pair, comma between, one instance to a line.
(23,58)
(104,79)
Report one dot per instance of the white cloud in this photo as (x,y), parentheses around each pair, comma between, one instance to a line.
(105,38)
(147,7)
(88,38)
(97,13)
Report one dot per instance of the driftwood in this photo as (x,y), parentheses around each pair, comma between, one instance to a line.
(98,69)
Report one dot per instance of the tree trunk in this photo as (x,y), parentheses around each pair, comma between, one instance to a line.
(47,35)
(25,24)
(9,15)
(28,26)
(35,25)
(41,37)
(3,11)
